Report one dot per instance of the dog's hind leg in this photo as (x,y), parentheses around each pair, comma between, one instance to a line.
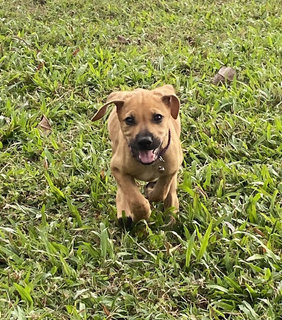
(149,187)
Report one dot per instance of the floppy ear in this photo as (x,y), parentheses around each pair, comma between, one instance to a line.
(100,113)
(116,97)
(173,103)
(169,98)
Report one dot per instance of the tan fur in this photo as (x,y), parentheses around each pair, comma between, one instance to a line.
(125,168)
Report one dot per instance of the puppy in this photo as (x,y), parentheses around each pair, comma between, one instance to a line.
(144,130)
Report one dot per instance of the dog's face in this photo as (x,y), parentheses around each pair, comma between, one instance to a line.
(144,123)
(144,117)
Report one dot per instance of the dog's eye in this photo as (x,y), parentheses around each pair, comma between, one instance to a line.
(129,121)
(157,118)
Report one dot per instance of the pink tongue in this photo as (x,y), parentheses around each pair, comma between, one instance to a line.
(147,156)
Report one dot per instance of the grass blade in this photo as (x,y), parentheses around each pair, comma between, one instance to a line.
(75,212)
(205,242)
(189,249)
(103,240)
(24,293)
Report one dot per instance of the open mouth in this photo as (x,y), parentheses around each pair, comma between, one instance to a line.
(148,156)
(148,150)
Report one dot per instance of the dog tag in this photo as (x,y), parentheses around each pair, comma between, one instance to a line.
(161,169)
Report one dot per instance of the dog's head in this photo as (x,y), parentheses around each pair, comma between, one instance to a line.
(144,119)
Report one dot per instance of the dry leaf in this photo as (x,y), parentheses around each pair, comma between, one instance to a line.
(102,174)
(45,163)
(106,311)
(167,247)
(123,40)
(227,72)
(40,66)
(257,231)
(223,75)
(262,250)
(75,52)
(191,41)
(44,126)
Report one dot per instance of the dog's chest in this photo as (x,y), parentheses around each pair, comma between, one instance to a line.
(149,173)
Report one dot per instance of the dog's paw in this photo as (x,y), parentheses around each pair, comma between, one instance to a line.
(125,222)
(141,210)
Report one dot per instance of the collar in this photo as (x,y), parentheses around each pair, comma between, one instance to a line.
(163,151)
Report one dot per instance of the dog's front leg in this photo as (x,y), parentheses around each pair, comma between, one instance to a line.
(165,190)
(171,199)
(129,198)
(122,205)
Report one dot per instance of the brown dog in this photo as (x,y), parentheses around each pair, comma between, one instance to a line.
(144,131)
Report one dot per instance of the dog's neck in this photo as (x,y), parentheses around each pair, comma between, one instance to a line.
(163,151)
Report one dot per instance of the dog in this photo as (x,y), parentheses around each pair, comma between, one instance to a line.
(145,137)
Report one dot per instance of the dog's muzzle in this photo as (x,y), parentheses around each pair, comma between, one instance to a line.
(145,148)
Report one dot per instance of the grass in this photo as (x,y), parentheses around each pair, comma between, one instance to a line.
(62,255)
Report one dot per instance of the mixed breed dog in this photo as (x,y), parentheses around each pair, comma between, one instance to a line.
(144,129)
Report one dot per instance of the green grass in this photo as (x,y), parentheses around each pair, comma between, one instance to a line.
(62,255)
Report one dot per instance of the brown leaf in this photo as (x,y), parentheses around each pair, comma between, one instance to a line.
(262,250)
(223,75)
(257,231)
(107,312)
(191,41)
(167,247)
(102,174)
(123,40)
(45,163)
(44,126)
(75,52)
(40,66)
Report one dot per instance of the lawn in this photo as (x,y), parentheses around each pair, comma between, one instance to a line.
(62,254)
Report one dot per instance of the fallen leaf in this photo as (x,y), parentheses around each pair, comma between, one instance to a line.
(257,231)
(191,41)
(44,126)
(75,52)
(167,246)
(262,250)
(40,66)
(123,40)
(45,163)
(223,75)
(102,174)
(106,311)
(227,72)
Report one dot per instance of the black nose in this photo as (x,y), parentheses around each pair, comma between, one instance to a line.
(145,142)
